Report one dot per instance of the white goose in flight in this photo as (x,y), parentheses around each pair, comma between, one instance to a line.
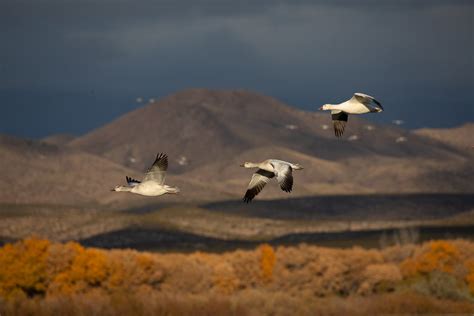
(153,182)
(266,170)
(359,104)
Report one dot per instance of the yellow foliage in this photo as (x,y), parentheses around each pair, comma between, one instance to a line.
(88,269)
(23,268)
(441,256)
(267,261)
(36,267)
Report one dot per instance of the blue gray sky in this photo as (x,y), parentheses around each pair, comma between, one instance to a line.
(70,66)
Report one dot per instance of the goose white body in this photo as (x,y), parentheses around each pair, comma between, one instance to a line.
(150,188)
(153,183)
(360,103)
(350,107)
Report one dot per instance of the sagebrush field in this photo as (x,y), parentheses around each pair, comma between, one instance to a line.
(41,277)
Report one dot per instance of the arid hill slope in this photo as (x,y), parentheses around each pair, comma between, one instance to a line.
(461,136)
(36,172)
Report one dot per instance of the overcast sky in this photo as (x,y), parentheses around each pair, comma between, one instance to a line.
(70,66)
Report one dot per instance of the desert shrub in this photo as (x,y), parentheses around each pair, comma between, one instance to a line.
(441,285)
(438,269)
(187,274)
(379,278)
(128,270)
(322,271)
(466,251)
(224,278)
(69,279)
(465,248)
(470,275)
(246,268)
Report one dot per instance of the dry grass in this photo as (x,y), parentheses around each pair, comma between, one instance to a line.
(59,222)
(66,222)
(249,302)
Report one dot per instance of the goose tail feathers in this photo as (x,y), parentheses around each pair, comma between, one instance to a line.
(297,166)
(172,190)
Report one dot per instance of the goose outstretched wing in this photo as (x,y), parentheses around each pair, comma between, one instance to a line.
(259,179)
(339,120)
(157,171)
(367,100)
(284,174)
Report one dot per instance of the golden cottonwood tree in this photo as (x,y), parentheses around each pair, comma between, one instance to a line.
(267,261)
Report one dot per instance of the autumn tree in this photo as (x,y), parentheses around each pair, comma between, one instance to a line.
(23,268)
(267,261)
(441,256)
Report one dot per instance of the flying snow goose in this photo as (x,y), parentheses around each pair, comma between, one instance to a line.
(268,169)
(359,104)
(153,182)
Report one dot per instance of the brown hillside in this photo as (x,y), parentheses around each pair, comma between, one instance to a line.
(36,172)
(384,174)
(462,136)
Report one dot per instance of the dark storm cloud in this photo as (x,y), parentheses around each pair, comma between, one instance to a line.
(91,58)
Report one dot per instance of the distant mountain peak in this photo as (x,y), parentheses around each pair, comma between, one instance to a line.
(58,139)
(218,99)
